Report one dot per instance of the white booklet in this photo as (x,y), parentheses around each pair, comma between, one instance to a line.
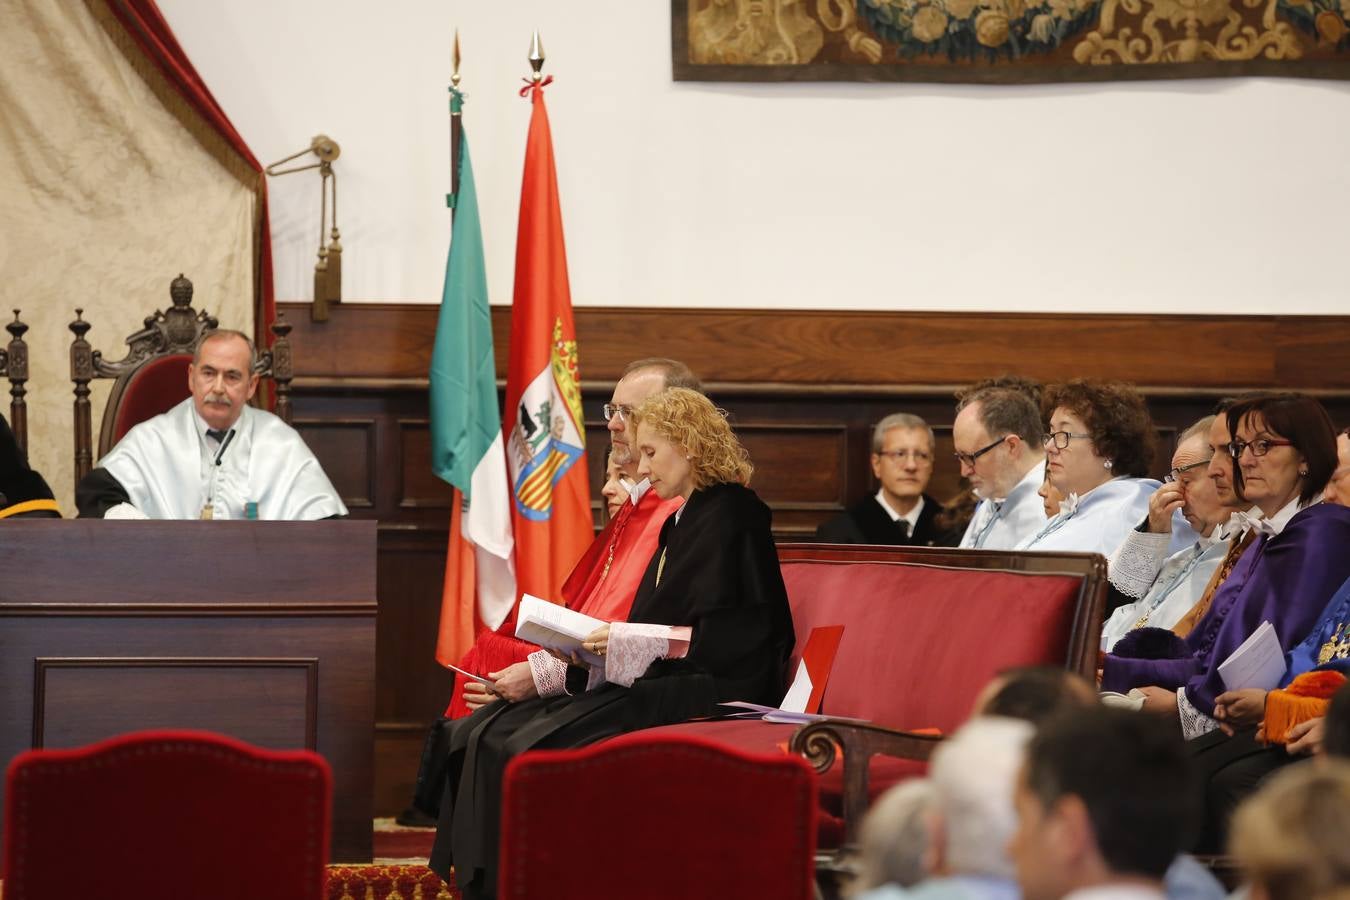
(1257,663)
(555,627)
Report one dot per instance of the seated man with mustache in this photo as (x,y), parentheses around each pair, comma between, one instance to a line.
(212,456)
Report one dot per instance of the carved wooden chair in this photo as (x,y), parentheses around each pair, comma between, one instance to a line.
(160,815)
(14,366)
(152,377)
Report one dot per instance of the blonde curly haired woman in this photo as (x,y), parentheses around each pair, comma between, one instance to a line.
(710,622)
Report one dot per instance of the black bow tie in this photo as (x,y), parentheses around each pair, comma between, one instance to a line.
(218,435)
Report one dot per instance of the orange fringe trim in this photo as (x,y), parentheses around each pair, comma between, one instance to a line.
(1307,697)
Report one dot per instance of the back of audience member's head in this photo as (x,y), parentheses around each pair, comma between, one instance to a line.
(973,774)
(1028,387)
(1034,693)
(893,840)
(1336,725)
(674,372)
(1302,421)
(1292,837)
(1106,794)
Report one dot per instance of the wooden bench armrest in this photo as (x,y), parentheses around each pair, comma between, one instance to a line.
(819,743)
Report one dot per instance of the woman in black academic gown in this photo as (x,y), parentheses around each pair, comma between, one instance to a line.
(715,571)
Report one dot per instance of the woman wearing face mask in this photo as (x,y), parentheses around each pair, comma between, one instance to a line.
(1097,452)
(710,623)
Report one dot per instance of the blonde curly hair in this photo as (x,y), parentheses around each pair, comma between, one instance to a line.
(689,419)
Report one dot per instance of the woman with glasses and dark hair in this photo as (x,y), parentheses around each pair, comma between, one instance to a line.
(1097,452)
(1284,451)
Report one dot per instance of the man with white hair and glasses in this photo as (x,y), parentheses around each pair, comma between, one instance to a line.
(1148,587)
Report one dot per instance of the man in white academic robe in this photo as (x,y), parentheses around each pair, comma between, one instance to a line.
(212,456)
(997,435)
(1149,587)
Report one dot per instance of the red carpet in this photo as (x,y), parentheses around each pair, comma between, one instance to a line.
(398,873)
(380,881)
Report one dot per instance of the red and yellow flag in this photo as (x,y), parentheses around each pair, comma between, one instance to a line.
(542,422)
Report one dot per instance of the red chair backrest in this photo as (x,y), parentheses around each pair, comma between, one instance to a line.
(922,638)
(673,817)
(163,815)
(154,388)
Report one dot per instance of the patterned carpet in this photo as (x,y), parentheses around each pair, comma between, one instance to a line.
(399,871)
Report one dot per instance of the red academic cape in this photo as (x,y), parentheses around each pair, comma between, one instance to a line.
(630,540)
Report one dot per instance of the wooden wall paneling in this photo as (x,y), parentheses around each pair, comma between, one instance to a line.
(345,447)
(419,486)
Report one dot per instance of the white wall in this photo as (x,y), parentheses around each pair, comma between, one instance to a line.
(1159,196)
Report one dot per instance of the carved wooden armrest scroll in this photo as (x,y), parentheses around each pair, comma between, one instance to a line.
(820,742)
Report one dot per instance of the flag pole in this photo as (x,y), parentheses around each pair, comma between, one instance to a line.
(456,129)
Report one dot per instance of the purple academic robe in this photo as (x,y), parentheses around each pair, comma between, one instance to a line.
(1285,580)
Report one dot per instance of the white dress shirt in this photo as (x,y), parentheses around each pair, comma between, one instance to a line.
(911,518)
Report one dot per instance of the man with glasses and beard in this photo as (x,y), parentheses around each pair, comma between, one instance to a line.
(997,435)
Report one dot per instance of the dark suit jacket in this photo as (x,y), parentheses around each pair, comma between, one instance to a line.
(867,523)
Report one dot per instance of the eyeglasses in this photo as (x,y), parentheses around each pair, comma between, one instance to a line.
(621,410)
(919,456)
(1061,439)
(1259,447)
(968,459)
(1175,474)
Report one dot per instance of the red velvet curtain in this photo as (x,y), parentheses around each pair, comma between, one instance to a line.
(145,24)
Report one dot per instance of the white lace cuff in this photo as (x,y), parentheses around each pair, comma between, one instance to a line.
(634,646)
(549,673)
(1137,561)
(1193,722)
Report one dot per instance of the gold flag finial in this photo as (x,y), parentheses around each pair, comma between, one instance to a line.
(536,56)
(454,76)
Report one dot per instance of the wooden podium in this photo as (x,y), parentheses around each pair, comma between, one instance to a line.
(260,630)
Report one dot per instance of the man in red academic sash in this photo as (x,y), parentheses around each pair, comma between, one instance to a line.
(606,578)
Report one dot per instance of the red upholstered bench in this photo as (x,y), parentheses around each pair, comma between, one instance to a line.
(924,630)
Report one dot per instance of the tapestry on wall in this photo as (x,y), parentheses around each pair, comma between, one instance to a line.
(1007,41)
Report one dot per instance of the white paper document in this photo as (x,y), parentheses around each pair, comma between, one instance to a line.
(1257,663)
(556,627)
(800,692)
(782,716)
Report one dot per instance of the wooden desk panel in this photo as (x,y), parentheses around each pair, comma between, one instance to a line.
(261,630)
